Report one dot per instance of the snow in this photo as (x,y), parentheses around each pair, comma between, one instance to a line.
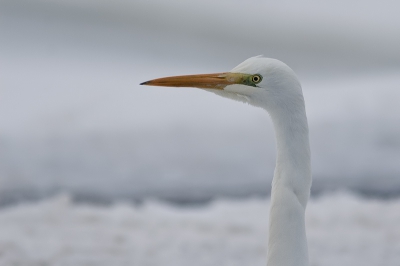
(342,229)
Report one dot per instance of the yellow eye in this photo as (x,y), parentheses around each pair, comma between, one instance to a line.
(256,78)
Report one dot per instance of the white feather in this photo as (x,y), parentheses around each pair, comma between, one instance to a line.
(280,94)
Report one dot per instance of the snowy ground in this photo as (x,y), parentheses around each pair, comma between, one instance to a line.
(342,230)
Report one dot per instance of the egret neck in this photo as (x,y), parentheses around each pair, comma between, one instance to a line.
(273,86)
(287,243)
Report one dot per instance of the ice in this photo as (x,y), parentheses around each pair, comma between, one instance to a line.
(343,229)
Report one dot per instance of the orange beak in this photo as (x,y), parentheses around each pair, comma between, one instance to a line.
(203,81)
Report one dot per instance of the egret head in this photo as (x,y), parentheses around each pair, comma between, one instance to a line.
(259,81)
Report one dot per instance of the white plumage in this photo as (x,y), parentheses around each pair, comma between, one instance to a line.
(273,86)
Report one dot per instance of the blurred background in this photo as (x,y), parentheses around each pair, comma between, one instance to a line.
(74,119)
(135,175)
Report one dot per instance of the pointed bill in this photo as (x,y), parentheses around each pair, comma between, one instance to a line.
(204,81)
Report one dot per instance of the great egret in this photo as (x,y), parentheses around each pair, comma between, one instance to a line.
(273,86)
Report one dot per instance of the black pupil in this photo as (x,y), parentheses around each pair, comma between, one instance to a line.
(256,78)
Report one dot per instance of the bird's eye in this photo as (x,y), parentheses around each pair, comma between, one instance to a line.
(256,78)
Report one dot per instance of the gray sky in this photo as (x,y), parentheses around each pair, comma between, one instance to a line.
(73,115)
